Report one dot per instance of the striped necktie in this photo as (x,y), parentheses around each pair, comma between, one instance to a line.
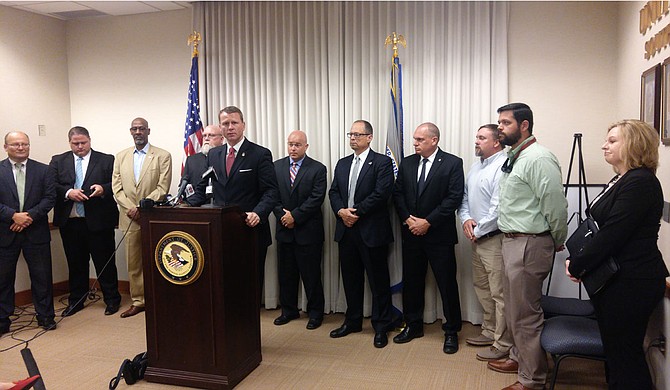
(293,172)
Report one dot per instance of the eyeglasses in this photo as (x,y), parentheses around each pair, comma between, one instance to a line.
(357,135)
(211,135)
(16,146)
(140,128)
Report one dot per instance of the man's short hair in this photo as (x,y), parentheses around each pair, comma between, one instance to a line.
(493,128)
(232,110)
(77,130)
(521,113)
(366,125)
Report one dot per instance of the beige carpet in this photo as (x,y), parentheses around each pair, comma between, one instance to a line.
(86,350)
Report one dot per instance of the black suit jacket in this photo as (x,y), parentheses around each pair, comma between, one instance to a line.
(252,184)
(441,196)
(304,200)
(373,190)
(628,216)
(39,198)
(194,167)
(101,211)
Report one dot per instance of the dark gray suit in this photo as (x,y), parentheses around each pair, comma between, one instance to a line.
(364,246)
(90,237)
(299,249)
(441,196)
(33,241)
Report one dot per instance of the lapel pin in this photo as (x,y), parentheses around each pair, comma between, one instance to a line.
(370,163)
(243,154)
(439,160)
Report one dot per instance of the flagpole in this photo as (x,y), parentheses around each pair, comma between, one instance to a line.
(193,126)
(394,150)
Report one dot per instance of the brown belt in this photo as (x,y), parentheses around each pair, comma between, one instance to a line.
(515,235)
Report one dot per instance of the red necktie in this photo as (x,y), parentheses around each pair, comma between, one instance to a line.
(230,160)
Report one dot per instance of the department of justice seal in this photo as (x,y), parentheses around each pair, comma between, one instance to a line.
(179,258)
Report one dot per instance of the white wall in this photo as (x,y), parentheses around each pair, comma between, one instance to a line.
(631,64)
(561,64)
(34,91)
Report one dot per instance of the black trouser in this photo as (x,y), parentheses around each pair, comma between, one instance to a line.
(295,262)
(355,259)
(80,245)
(623,309)
(416,255)
(38,258)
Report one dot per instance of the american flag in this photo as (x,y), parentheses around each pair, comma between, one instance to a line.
(193,126)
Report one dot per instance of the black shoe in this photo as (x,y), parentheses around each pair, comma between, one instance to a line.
(285,319)
(345,330)
(314,323)
(71,310)
(111,309)
(408,334)
(47,324)
(450,343)
(381,340)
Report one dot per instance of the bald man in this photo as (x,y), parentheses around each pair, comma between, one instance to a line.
(302,189)
(196,165)
(427,193)
(28,193)
(141,171)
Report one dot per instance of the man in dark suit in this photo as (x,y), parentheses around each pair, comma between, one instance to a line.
(196,164)
(299,233)
(86,214)
(427,194)
(245,177)
(27,196)
(362,186)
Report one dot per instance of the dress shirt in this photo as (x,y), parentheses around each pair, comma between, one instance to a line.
(14,168)
(138,160)
(84,166)
(429,164)
(482,193)
(237,146)
(531,196)
(363,156)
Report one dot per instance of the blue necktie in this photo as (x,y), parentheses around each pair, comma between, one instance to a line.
(79,180)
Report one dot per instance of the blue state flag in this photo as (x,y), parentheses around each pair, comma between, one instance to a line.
(394,149)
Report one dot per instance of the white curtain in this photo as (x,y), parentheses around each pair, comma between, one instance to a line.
(318,66)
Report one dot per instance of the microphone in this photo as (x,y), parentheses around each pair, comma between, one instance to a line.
(210,173)
(180,191)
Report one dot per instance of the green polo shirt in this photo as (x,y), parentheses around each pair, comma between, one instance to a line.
(531,196)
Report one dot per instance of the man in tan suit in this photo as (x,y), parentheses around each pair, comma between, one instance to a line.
(143,171)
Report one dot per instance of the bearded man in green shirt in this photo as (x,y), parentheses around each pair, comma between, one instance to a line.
(532,214)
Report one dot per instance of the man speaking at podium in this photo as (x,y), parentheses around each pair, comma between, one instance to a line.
(245,176)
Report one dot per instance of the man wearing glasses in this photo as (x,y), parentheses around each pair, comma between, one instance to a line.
(196,164)
(27,195)
(362,186)
(142,171)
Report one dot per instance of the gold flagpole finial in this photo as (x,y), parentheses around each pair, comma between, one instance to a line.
(395,39)
(194,39)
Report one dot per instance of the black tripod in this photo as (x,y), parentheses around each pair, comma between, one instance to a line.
(582,192)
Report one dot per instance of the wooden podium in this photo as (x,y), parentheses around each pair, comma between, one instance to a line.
(202,313)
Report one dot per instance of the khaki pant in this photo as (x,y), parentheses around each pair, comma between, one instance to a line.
(527,262)
(487,276)
(134,258)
